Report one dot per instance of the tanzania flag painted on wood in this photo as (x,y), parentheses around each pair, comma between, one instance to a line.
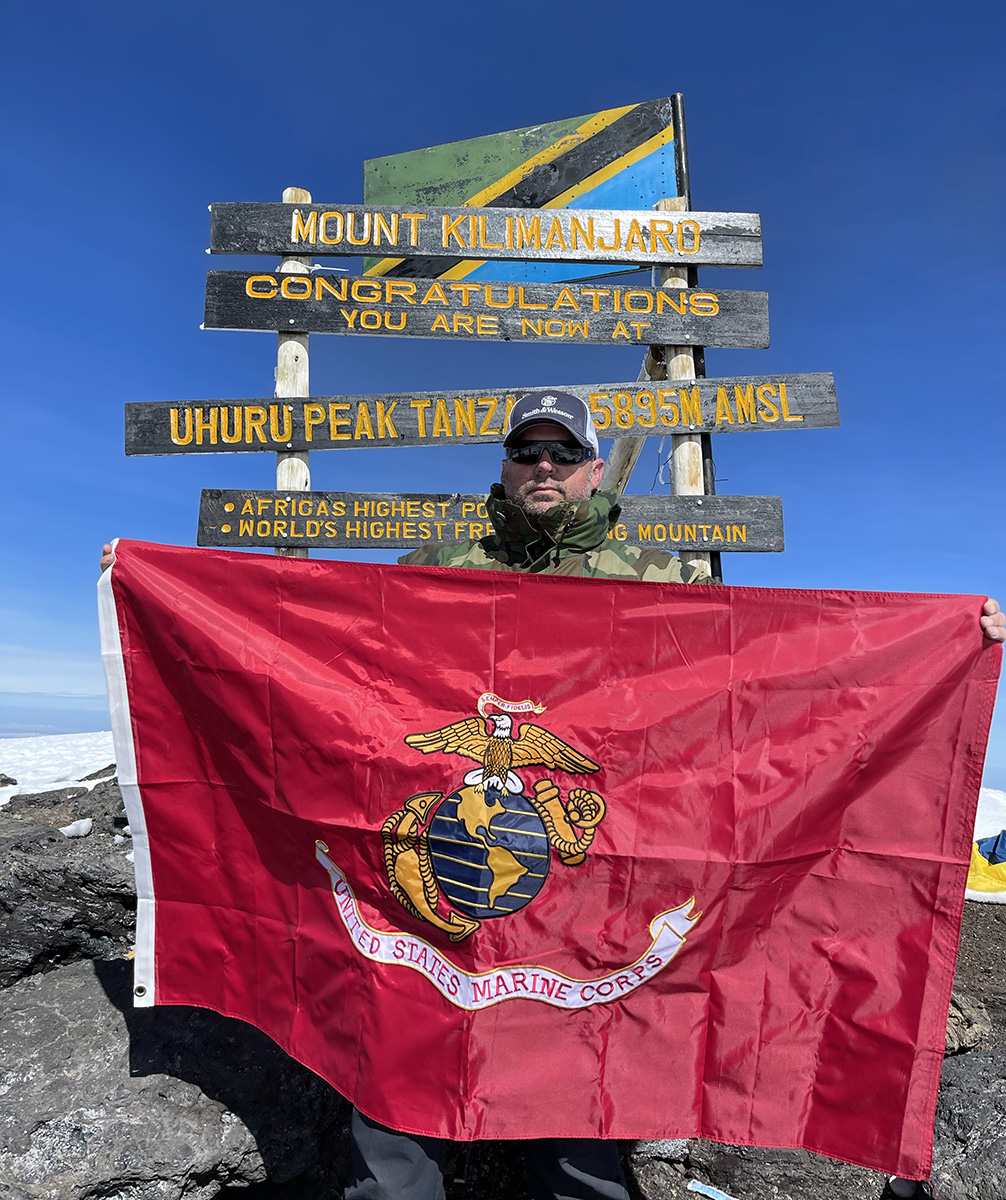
(616,158)
(507,856)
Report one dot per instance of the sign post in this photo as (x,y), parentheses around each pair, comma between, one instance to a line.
(293,470)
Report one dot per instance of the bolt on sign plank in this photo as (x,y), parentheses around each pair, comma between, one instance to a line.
(590,235)
(374,520)
(574,313)
(618,158)
(728,405)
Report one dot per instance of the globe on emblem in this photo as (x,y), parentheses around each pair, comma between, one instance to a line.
(490,851)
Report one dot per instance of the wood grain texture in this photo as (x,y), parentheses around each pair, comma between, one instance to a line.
(357,520)
(573,313)
(621,410)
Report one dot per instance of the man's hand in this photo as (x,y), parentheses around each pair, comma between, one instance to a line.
(993,621)
(108,557)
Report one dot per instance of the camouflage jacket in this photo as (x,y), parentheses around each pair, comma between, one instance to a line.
(568,539)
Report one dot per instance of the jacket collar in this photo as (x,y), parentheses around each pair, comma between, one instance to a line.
(533,542)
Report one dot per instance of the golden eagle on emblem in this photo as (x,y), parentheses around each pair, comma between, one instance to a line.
(502,749)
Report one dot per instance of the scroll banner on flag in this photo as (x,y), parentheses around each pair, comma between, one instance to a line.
(511,856)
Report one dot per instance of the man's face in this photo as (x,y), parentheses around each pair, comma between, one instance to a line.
(537,487)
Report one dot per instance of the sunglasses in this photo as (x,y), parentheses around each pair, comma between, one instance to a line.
(563,454)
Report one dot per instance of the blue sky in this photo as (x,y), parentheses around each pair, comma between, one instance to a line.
(869,137)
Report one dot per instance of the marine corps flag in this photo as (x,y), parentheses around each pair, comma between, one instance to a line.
(508,856)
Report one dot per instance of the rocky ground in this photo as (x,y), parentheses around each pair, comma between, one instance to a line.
(101,1100)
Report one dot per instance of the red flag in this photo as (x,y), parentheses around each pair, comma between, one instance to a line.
(507,856)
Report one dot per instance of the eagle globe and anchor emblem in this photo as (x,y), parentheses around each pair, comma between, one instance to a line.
(483,850)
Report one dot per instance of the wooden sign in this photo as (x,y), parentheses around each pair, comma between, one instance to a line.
(362,520)
(629,237)
(738,403)
(573,313)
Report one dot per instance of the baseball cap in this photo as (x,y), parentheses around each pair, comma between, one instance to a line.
(561,408)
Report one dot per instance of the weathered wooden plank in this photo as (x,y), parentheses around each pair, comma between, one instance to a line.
(573,313)
(632,237)
(729,405)
(362,520)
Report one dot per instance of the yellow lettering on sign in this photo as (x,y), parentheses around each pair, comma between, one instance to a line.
(390,231)
(358,241)
(370,318)
(691,406)
(400,324)
(528,232)
(366,291)
(659,231)
(768,412)
(483,239)
(280,506)
(487,324)
(413,220)
(704,304)
(578,233)
(664,403)
(452,229)
(555,328)
(621,331)
(684,228)
(435,292)
(364,425)
(555,235)
(596,294)
(323,284)
(566,299)
(421,406)
(616,244)
(286,433)
(350,317)
(399,289)
(495,303)
(463,321)
(784,405)
(644,534)
(296,281)
(329,237)
(740,533)
(385,425)
(441,323)
(248,507)
(178,438)
(647,298)
(648,402)
(723,410)
(665,298)
(464,416)
(529,326)
(322,509)
(253,287)
(336,423)
(227,435)
(246,528)
(580,327)
(441,421)
(745,401)
(717,534)
(255,419)
(485,430)
(301,230)
(625,418)
(639,326)
(466,290)
(635,239)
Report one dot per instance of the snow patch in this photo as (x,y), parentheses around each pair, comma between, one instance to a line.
(52,761)
(79,828)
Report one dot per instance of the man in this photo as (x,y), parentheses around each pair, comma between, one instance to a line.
(549,518)
(546,510)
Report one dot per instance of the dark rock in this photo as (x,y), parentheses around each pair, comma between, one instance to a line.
(970,1145)
(6,781)
(747,1173)
(967,1025)
(98,1099)
(100,773)
(63,899)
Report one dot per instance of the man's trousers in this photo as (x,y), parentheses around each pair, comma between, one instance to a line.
(388,1165)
